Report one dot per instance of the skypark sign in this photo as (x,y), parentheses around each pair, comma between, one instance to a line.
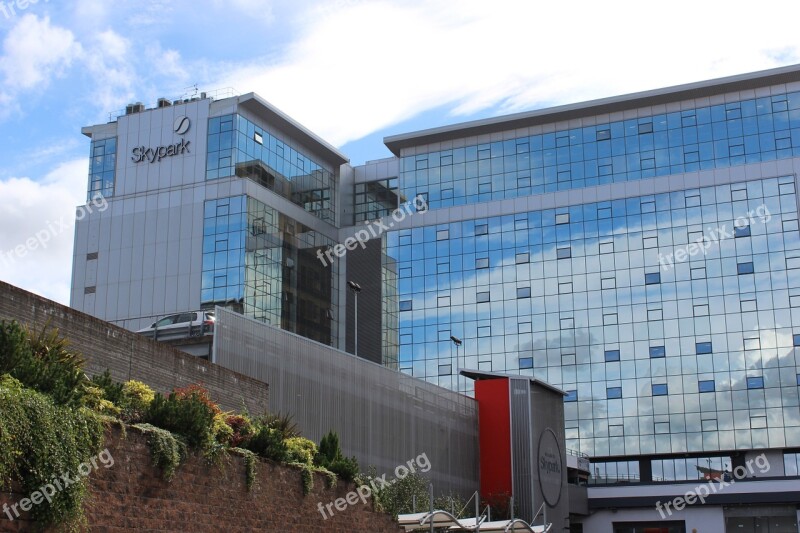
(181,126)
(140,153)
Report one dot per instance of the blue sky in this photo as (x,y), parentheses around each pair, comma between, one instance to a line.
(353,71)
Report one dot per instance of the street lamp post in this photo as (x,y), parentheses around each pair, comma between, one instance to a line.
(458,343)
(356,288)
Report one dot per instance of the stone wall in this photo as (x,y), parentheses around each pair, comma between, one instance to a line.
(132,496)
(130,356)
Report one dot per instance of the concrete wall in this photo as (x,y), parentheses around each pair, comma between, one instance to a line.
(132,496)
(130,356)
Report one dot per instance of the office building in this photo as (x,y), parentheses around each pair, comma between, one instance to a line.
(640,252)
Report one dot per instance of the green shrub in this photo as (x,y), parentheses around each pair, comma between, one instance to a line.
(187,415)
(301,450)
(330,457)
(345,468)
(136,400)
(268,443)
(112,391)
(223,433)
(94,398)
(42,361)
(281,423)
(399,497)
(40,440)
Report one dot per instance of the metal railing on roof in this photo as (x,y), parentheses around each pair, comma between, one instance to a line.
(192,94)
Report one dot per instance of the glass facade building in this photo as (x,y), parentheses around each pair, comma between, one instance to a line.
(592,298)
(239,147)
(735,133)
(668,318)
(263,264)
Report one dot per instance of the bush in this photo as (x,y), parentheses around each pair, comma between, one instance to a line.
(399,497)
(186,413)
(242,428)
(136,400)
(281,423)
(330,457)
(112,391)
(40,440)
(223,433)
(268,443)
(42,361)
(94,398)
(300,450)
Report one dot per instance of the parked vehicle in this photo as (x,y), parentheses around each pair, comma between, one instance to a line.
(194,324)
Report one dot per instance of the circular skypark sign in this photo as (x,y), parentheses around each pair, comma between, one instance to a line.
(551,479)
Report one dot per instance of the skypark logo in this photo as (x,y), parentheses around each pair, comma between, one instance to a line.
(140,153)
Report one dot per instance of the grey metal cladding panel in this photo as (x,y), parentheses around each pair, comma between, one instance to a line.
(521,447)
(383,417)
(547,408)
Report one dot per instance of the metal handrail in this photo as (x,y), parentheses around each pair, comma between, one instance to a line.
(576,453)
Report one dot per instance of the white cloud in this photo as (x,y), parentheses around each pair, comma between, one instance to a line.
(34,52)
(111,69)
(367,65)
(261,10)
(45,207)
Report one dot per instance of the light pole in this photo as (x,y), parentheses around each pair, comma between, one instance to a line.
(356,288)
(458,343)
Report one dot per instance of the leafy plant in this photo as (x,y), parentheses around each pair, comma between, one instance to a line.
(284,424)
(242,428)
(330,457)
(167,450)
(223,433)
(95,399)
(268,443)
(301,450)
(42,361)
(306,475)
(185,412)
(399,497)
(250,462)
(453,503)
(112,391)
(136,400)
(40,441)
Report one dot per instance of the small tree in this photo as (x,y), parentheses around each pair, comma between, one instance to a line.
(330,456)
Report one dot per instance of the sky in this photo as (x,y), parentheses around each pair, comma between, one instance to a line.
(352,71)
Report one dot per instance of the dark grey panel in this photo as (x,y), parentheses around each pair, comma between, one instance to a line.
(364,268)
